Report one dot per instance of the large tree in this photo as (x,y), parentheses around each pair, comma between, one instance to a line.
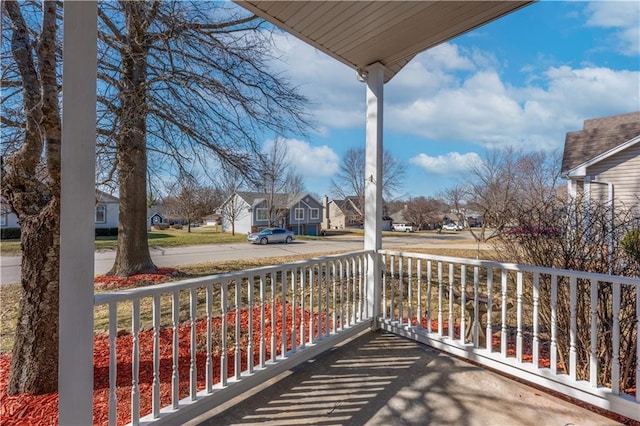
(276,177)
(183,81)
(31,186)
(350,179)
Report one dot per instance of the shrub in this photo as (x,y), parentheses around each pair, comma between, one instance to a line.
(10,233)
(631,244)
(106,232)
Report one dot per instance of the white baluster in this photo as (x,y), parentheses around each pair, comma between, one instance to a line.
(421,312)
(573,328)
(208,364)
(489,332)
(553,351)
(401,289)
(536,331)
(283,313)
(311,307)
(303,276)
(175,375)
(263,320)
(342,295)
(155,398)
(250,303)
(385,302)
(224,361)
(135,359)
(463,303)
(294,307)
(503,334)
(392,307)
(113,363)
(451,320)
(274,297)
(193,369)
(519,316)
(334,290)
(615,333)
(593,352)
(410,292)
(476,307)
(237,355)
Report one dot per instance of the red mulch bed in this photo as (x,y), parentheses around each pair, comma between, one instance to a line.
(43,409)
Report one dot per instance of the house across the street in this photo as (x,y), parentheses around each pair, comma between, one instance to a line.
(246,212)
(106,213)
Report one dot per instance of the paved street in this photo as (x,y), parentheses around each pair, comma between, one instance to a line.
(176,256)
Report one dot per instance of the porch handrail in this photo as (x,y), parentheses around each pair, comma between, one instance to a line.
(318,303)
(442,301)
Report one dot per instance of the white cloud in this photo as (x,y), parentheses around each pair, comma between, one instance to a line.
(310,161)
(336,96)
(456,94)
(451,164)
(620,15)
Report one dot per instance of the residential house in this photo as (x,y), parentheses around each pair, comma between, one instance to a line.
(246,212)
(602,162)
(106,212)
(340,214)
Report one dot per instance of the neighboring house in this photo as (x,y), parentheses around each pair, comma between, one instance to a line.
(602,162)
(107,210)
(247,212)
(106,213)
(340,214)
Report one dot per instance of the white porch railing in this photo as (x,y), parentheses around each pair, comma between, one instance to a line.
(552,327)
(258,323)
(548,326)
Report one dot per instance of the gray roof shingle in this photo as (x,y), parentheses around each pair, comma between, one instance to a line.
(598,136)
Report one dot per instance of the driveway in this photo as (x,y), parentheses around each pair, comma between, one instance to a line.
(176,256)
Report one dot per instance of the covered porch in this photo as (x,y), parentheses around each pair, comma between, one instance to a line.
(197,344)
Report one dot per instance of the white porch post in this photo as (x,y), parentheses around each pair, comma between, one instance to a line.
(77,210)
(373,184)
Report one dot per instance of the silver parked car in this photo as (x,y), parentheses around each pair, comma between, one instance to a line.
(271,235)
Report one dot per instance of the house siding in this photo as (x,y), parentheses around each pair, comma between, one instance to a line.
(623,171)
(112,215)
(243,218)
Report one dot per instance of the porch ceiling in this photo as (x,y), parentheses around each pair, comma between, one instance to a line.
(361,33)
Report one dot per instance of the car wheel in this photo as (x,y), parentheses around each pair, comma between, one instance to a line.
(288,240)
(263,241)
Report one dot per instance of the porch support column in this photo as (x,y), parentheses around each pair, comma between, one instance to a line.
(373,185)
(77,211)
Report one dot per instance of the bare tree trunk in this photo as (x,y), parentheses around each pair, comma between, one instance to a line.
(132,255)
(35,197)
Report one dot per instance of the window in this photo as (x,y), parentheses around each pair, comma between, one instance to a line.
(3,219)
(314,213)
(299,214)
(101,213)
(261,214)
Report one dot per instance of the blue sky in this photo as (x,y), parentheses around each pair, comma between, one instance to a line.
(524,80)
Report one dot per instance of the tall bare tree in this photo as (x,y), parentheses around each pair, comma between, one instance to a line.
(350,179)
(231,181)
(277,176)
(183,81)
(191,200)
(31,185)
(423,210)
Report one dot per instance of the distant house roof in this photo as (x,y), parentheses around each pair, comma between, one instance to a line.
(600,138)
(283,201)
(348,206)
(103,197)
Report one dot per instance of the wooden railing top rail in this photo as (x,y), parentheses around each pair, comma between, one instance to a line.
(519,267)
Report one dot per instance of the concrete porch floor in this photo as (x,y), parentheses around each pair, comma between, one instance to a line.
(382,379)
